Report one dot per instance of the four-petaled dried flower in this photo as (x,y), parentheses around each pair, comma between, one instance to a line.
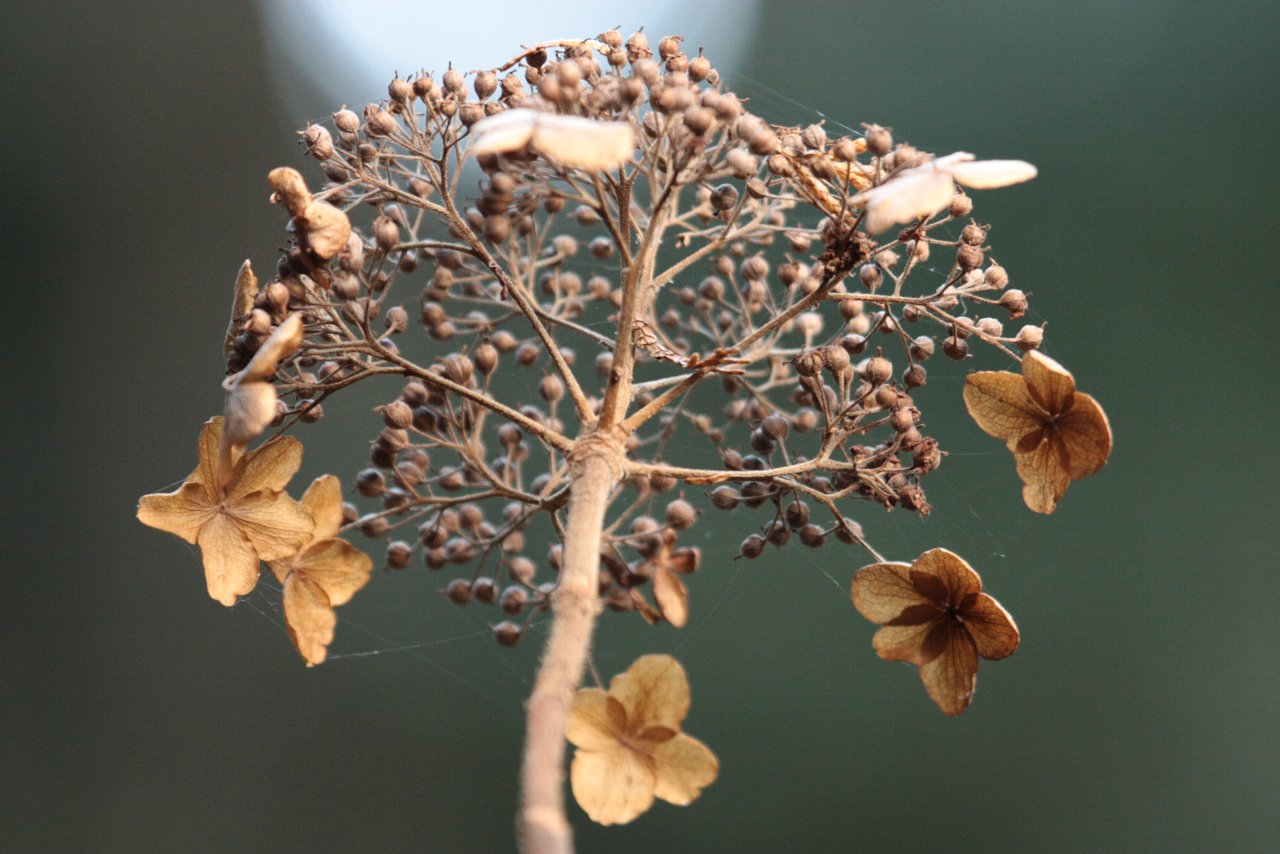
(1056,433)
(235,509)
(934,614)
(322,575)
(629,745)
(925,190)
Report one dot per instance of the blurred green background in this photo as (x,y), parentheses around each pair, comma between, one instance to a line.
(1142,711)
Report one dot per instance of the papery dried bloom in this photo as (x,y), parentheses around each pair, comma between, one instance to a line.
(934,614)
(668,590)
(925,190)
(629,745)
(569,140)
(322,575)
(1056,433)
(235,510)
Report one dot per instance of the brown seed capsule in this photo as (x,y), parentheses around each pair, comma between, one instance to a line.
(397,414)
(551,388)
(752,547)
(811,535)
(973,234)
(680,514)
(996,276)
(809,363)
(955,347)
(1015,301)
(922,348)
(969,257)
(507,633)
(797,514)
(877,370)
(724,498)
(398,554)
(879,140)
(1029,337)
(370,483)
(961,206)
(374,526)
(870,276)
(914,376)
(485,590)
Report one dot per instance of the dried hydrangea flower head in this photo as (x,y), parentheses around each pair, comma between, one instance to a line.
(645,277)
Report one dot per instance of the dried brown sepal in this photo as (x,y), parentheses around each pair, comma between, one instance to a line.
(1056,433)
(630,749)
(235,509)
(321,227)
(320,576)
(934,615)
(246,289)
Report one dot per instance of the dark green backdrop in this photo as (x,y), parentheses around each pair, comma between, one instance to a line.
(1140,712)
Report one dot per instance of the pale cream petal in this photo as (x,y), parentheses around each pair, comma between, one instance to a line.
(502,133)
(323,500)
(882,591)
(684,767)
(336,566)
(992,174)
(596,720)
(250,408)
(654,691)
(613,786)
(268,467)
(583,143)
(905,198)
(998,401)
(308,617)
(994,633)
(1048,382)
(949,679)
(181,513)
(275,523)
(230,561)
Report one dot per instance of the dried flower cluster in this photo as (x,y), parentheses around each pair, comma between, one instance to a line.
(639,269)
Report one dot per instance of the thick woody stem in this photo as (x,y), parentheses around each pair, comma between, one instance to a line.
(596,467)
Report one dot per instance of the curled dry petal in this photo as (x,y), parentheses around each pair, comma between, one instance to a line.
(571,141)
(282,343)
(246,289)
(672,597)
(290,189)
(249,409)
(654,691)
(992,174)
(321,227)
(905,198)
(950,677)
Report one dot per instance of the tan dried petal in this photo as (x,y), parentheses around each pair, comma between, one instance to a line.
(904,199)
(181,513)
(230,559)
(654,691)
(274,523)
(902,643)
(994,632)
(308,617)
(246,289)
(597,721)
(1086,434)
(1049,383)
(268,467)
(684,766)
(1001,405)
(950,677)
(1045,474)
(337,566)
(323,500)
(672,597)
(882,591)
(953,571)
(612,786)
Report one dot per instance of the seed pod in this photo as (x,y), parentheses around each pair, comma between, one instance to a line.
(1015,301)
(955,347)
(914,376)
(961,206)
(752,547)
(811,535)
(370,483)
(1029,337)
(877,370)
(879,140)
(551,388)
(681,515)
(870,276)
